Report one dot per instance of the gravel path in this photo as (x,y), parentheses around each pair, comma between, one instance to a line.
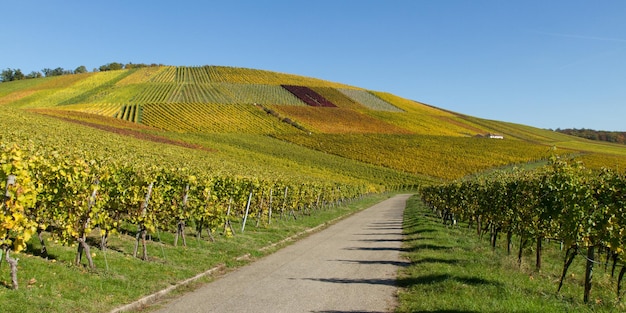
(349,267)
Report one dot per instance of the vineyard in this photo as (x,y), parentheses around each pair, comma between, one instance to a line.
(338,121)
(131,113)
(563,202)
(209,100)
(216,93)
(427,120)
(309,96)
(119,160)
(442,157)
(70,197)
(339,99)
(369,100)
(212,118)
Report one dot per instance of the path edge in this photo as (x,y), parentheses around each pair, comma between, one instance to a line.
(154,297)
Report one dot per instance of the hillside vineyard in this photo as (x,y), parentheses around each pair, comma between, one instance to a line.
(137,154)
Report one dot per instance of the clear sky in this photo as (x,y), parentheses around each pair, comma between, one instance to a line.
(544,63)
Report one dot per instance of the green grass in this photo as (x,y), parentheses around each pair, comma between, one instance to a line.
(452,270)
(56,285)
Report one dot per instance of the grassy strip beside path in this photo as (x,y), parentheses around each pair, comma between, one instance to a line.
(453,270)
(56,285)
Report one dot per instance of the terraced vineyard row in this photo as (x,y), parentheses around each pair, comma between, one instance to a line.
(75,89)
(212,118)
(105,109)
(369,100)
(131,113)
(141,75)
(434,156)
(426,120)
(15,96)
(338,121)
(520,131)
(46,92)
(167,74)
(200,93)
(224,74)
(338,98)
(154,93)
(222,93)
(309,96)
(262,94)
(23,92)
(196,75)
(237,75)
(21,86)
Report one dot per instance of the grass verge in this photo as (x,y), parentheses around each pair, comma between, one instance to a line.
(453,270)
(55,284)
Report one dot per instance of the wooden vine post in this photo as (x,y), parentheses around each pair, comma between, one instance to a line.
(6,249)
(282,210)
(82,239)
(269,213)
(180,226)
(588,272)
(245,217)
(142,230)
(227,224)
(260,213)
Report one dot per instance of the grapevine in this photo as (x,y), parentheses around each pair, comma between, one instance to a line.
(564,201)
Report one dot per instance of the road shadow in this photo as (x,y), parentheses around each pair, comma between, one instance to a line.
(385,228)
(380,240)
(339,311)
(390,222)
(375,281)
(439,278)
(379,234)
(375,249)
(376,262)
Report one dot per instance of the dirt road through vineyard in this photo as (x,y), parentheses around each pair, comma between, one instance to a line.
(349,267)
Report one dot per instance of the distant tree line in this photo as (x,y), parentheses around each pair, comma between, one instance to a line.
(600,135)
(10,74)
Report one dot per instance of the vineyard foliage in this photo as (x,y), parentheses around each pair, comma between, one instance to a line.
(73,195)
(309,96)
(222,153)
(218,99)
(338,121)
(248,119)
(369,100)
(563,201)
(455,156)
(156,149)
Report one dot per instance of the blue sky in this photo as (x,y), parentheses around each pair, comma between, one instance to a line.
(549,64)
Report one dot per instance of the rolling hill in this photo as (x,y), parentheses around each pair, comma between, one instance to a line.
(247,121)
(119,158)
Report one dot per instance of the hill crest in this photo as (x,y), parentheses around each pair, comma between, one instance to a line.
(210,100)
